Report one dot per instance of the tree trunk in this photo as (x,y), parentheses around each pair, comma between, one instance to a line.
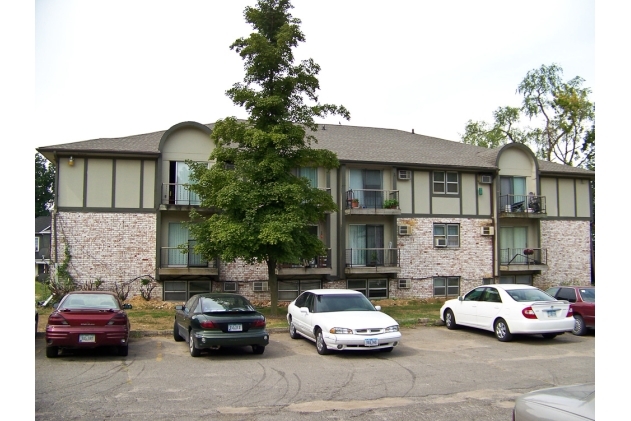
(272,283)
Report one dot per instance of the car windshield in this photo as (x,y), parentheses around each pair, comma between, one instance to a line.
(523,295)
(227,303)
(89,301)
(342,302)
(588,294)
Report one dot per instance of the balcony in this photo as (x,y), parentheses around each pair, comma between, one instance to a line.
(523,259)
(173,261)
(178,194)
(372,202)
(372,260)
(522,206)
(319,265)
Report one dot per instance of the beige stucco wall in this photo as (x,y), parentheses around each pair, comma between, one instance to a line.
(469,193)
(567,197)
(70,189)
(445,205)
(549,189)
(148,184)
(127,191)
(484,200)
(405,195)
(183,144)
(583,206)
(99,183)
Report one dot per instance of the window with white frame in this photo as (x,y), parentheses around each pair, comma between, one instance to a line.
(183,290)
(445,182)
(445,286)
(36,244)
(447,235)
(288,290)
(371,288)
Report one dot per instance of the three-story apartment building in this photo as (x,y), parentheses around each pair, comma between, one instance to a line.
(417,216)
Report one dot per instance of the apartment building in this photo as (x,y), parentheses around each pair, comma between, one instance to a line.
(418,217)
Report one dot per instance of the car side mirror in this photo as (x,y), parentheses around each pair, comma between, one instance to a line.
(55,305)
(179,307)
(127,306)
(304,310)
(460,298)
(378,308)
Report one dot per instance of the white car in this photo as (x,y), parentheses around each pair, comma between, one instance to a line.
(341,319)
(508,309)
(564,403)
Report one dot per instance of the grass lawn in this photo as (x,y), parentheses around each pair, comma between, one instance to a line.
(144,317)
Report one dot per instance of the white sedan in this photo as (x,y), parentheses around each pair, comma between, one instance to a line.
(341,319)
(508,309)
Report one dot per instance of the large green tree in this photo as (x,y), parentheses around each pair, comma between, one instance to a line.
(562,115)
(44,185)
(264,211)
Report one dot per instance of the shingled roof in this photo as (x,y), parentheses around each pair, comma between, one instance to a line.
(350,143)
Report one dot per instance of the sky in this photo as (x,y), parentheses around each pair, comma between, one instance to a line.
(119,68)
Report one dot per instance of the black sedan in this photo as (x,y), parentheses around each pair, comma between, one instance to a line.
(214,320)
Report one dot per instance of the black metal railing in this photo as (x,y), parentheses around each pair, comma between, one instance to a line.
(178,194)
(372,199)
(177,257)
(535,256)
(372,257)
(323,261)
(522,203)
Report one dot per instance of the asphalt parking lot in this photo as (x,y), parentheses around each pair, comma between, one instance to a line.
(434,374)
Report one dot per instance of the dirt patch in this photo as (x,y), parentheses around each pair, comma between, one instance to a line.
(140,303)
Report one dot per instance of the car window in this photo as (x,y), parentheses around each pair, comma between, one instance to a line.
(552,291)
(588,294)
(567,294)
(474,295)
(189,304)
(224,303)
(491,295)
(85,301)
(309,302)
(300,301)
(343,302)
(525,295)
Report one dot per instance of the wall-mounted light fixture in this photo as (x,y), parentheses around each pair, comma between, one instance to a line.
(71,161)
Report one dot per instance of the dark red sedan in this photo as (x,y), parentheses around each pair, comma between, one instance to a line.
(88,319)
(583,303)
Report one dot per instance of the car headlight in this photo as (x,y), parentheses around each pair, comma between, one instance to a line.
(391,329)
(341,331)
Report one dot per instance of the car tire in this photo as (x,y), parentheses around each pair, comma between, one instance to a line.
(320,344)
(195,352)
(450,320)
(579,326)
(52,351)
(123,350)
(502,332)
(176,334)
(549,335)
(258,349)
(292,331)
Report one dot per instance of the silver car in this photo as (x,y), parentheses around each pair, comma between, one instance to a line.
(565,403)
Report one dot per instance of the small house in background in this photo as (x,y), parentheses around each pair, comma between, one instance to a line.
(42,246)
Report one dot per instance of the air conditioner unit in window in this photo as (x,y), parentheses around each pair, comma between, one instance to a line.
(486,179)
(404,230)
(404,174)
(230,287)
(488,231)
(260,286)
(440,242)
(404,283)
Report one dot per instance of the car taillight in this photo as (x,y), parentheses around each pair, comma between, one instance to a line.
(570,312)
(208,324)
(56,319)
(529,313)
(258,323)
(118,319)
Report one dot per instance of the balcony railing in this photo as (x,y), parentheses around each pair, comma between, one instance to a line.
(178,194)
(174,257)
(372,199)
(372,257)
(523,256)
(523,203)
(323,261)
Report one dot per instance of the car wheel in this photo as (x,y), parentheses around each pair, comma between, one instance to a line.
(320,344)
(292,331)
(191,345)
(176,334)
(579,326)
(502,332)
(450,320)
(52,351)
(549,335)
(258,349)
(123,350)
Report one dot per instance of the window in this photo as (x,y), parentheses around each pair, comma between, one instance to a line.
(446,235)
(512,193)
(366,245)
(516,279)
(183,290)
(568,294)
(36,244)
(309,173)
(445,182)
(288,290)
(446,286)
(366,186)
(371,288)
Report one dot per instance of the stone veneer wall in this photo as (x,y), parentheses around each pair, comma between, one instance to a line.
(421,261)
(568,250)
(112,247)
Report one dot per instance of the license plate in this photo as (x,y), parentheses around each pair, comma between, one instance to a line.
(371,342)
(87,338)
(552,313)
(235,328)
